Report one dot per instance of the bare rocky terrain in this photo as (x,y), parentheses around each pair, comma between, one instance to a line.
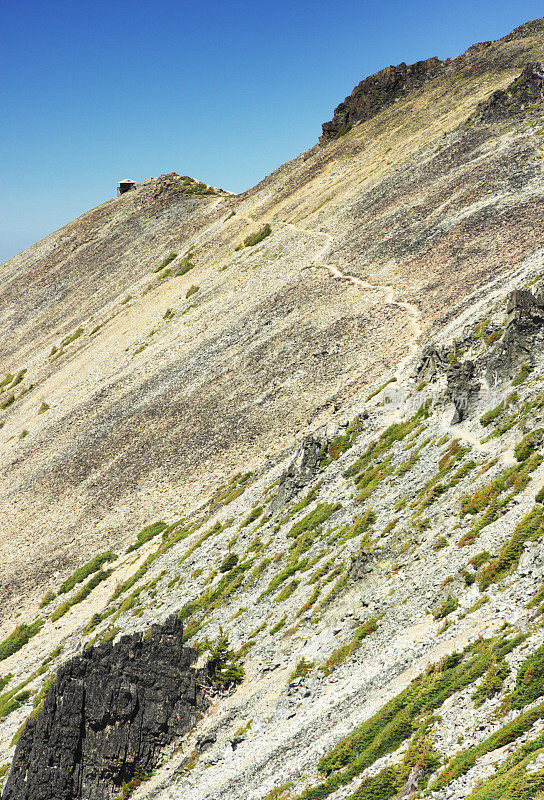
(307,418)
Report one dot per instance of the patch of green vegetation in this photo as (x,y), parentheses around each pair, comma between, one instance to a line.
(278,626)
(302,669)
(83,593)
(213,597)
(127,299)
(380,389)
(70,338)
(488,498)
(228,562)
(331,451)
(191,291)
(233,489)
(439,543)
(531,528)
(22,372)
(146,534)
(309,602)
(447,607)
(289,570)
(398,719)
(6,381)
(129,787)
(492,684)
(185,264)
(343,130)
(461,763)
(48,598)
(23,433)
(529,680)
(287,591)
(530,442)
(523,374)
(475,606)
(252,516)
(279,793)
(394,433)
(224,666)
(166,260)
(255,238)
(43,408)
(87,569)
(343,652)
(19,637)
(10,702)
(96,329)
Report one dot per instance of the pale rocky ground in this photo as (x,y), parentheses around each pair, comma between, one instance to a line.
(412,228)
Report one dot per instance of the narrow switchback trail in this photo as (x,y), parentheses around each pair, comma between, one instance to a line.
(413,312)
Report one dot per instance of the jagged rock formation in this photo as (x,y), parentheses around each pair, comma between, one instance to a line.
(377,92)
(107,718)
(302,469)
(526,90)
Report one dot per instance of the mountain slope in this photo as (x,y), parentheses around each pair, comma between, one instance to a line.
(173,367)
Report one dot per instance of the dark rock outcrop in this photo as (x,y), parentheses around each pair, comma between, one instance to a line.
(107,717)
(379,91)
(433,363)
(302,469)
(462,387)
(524,319)
(525,91)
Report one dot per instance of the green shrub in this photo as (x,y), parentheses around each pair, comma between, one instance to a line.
(83,593)
(19,637)
(529,680)
(228,562)
(43,408)
(255,238)
(530,528)
(287,591)
(343,652)
(252,516)
(166,260)
(528,444)
(48,598)
(146,534)
(447,607)
(87,569)
(223,666)
(523,374)
(439,543)
(302,669)
(493,682)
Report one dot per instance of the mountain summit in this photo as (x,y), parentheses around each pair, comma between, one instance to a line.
(272,465)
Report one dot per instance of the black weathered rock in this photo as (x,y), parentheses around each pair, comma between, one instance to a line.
(108,715)
(378,91)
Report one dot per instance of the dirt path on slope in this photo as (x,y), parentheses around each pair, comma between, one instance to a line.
(389,291)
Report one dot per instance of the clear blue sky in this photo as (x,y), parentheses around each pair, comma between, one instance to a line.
(98,90)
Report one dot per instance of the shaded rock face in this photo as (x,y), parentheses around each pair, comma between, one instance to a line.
(462,387)
(109,714)
(303,469)
(377,92)
(526,90)
(525,318)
